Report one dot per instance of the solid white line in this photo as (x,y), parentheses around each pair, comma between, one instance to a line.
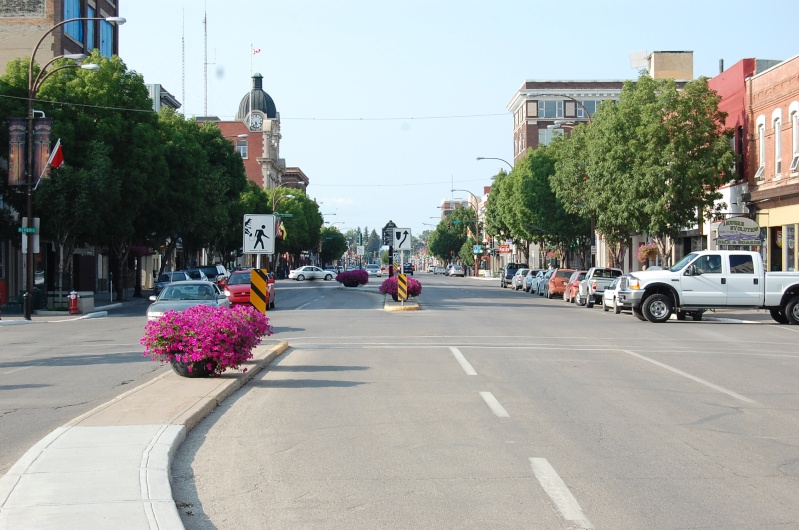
(693,378)
(494,405)
(557,490)
(462,360)
(15,370)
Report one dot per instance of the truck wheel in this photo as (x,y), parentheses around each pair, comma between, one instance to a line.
(638,314)
(578,299)
(792,310)
(778,316)
(589,301)
(604,306)
(616,306)
(657,308)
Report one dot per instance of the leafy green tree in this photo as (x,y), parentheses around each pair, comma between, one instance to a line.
(303,228)
(334,244)
(374,244)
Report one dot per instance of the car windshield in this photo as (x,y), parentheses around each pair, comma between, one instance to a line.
(239,279)
(680,265)
(211,272)
(188,292)
(607,273)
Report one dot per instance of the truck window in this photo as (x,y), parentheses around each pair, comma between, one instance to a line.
(709,264)
(741,264)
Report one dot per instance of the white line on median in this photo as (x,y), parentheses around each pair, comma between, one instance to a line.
(693,378)
(494,405)
(462,360)
(553,485)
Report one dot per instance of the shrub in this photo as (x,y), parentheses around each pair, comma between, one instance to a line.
(353,278)
(389,286)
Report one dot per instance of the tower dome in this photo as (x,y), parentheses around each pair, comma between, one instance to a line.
(260,100)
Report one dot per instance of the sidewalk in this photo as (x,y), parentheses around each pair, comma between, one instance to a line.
(110,467)
(102,303)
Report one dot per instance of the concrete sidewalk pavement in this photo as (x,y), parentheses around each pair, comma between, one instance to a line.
(110,467)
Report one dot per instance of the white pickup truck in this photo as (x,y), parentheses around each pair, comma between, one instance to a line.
(711,279)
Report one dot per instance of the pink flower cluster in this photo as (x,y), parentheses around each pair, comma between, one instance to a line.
(389,286)
(359,276)
(222,336)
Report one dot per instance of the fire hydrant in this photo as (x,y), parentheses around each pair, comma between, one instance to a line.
(73,303)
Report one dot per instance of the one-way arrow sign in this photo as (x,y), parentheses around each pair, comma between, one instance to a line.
(402,239)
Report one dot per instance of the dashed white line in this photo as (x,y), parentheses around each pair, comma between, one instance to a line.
(494,405)
(693,378)
(564,501)
(462,360)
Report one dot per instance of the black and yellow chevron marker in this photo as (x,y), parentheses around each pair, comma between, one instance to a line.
(402,287)
(258,296)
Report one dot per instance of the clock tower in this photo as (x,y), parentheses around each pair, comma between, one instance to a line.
(258,112)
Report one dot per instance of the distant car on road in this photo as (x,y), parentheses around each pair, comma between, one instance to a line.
(517,282)
(456,270)
(374,269)
(181,295)
(407,268)
(168,277)
(439,270)
(309,272)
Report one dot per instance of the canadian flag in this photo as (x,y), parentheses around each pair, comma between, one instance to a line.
(55,161)
(56,156)
(256,50)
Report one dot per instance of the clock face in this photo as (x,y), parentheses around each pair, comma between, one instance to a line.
(256,121)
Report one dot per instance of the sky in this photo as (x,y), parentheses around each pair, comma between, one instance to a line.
(385,106)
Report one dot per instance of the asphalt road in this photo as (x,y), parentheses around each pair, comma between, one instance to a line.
(491,408)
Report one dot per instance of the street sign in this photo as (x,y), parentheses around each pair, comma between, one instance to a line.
(361,250)
(478,249)
(402,287)
(402,239)
(34,237)
(258,279)
(259,234)
(388,237)
(25,230)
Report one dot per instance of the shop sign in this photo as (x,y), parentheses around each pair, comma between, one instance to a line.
(738,231)
(504,249)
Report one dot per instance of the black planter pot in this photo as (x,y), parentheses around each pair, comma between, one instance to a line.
(351,284)
(198,368)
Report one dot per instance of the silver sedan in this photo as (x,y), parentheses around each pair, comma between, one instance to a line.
(178,296)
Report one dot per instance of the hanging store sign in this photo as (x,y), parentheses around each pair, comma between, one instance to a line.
(738,231)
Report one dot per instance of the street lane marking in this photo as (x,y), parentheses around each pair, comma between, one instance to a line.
(564,501)
(462,360)
(15,370)
(494,405)
(693,378)
(309,303)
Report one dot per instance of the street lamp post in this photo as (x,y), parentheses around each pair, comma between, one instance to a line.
(477,221)
(34,84)
(493,158)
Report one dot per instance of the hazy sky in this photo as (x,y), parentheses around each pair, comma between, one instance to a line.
(386,105)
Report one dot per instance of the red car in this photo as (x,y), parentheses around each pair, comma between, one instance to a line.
(573,285)
(557,282)
(237,289)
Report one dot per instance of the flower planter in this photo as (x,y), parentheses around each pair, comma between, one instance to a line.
(194,369)
(351,284)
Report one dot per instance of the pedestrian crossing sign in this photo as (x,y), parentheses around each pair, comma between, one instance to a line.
(259,234)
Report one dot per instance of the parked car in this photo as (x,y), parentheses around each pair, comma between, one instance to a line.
(456,270)
(536,281)
(610,299)
(431,268)
(309,272)
(181,295)
(168,277)
(543,282)
(517,282)
(557,282)
(407,268)
(237,289)
(374,269)
(528,279)
(572,285)
(216,273)
(506,274)
(439,270)
(591,288)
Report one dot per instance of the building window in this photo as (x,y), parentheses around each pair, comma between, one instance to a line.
(73,29)
(589,105)
(91,39)
(550,109)
(106,39)
(795,141)
(545,136)
(761,150)
(777,147)
(241,147)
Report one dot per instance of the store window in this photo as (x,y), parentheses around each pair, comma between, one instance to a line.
(790,234)
(73,29)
